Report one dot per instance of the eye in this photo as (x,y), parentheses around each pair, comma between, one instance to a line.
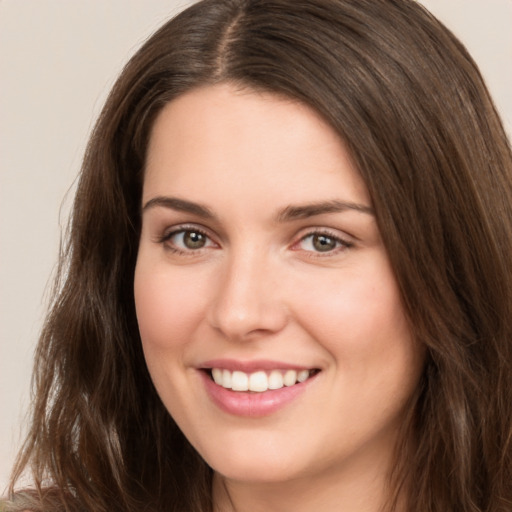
(322,243)
(186,240)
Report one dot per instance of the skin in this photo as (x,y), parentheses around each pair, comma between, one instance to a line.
(259,288)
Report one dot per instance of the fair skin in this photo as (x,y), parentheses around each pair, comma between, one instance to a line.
(260,254)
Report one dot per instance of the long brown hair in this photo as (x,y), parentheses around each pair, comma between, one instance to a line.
(409,102)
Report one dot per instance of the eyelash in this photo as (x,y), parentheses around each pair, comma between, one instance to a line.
(341,244)
(182,230)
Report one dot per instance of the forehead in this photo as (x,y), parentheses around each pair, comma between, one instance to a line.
(250,143)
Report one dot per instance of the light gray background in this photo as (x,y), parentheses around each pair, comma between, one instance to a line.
(58,59)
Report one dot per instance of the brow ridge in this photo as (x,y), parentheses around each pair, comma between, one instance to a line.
(310,210)
(181,205)
(287,214)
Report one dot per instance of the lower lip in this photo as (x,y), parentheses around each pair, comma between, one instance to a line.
(253,404)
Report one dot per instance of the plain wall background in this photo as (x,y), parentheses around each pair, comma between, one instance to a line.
(58,59)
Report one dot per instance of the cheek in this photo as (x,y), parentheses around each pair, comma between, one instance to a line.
(376,365)
(168,306)
(358,317)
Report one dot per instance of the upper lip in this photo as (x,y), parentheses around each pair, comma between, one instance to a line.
(252,366)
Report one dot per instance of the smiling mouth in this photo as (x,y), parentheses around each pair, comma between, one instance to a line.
(259,381)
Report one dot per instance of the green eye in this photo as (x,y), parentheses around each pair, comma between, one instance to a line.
(192,239)
(187,240)
(324,243)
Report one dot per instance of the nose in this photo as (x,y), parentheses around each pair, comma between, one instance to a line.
(248,302)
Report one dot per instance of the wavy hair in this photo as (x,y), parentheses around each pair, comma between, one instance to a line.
(410,104)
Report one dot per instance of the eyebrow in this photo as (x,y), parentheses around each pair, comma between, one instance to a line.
(287,214)
(310,210)
(180,205)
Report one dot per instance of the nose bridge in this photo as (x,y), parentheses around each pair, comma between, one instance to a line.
(247,301)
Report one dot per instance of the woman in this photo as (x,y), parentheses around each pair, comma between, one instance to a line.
(287,278)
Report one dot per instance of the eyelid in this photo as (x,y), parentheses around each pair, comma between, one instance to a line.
(171,231)
(345,241)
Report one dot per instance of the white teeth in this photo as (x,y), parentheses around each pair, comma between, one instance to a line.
(226,379)
(303,375)
(217,376)
(290,378)
(275,380)
(239,381)
(259,381)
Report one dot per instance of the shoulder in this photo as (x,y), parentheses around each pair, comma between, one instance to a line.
(30,500)
(42,499)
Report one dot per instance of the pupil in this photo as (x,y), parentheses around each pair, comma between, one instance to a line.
(324,243)
(194,240)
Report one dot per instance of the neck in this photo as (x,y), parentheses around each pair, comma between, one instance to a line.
(360,489)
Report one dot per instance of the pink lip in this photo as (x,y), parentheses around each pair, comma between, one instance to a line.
(250,404)
(251,366)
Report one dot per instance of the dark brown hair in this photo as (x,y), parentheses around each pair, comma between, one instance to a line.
(409,102)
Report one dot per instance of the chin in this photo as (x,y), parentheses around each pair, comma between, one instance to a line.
(258,465)
(257,473)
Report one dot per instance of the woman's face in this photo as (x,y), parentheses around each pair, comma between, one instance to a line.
(261,266)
